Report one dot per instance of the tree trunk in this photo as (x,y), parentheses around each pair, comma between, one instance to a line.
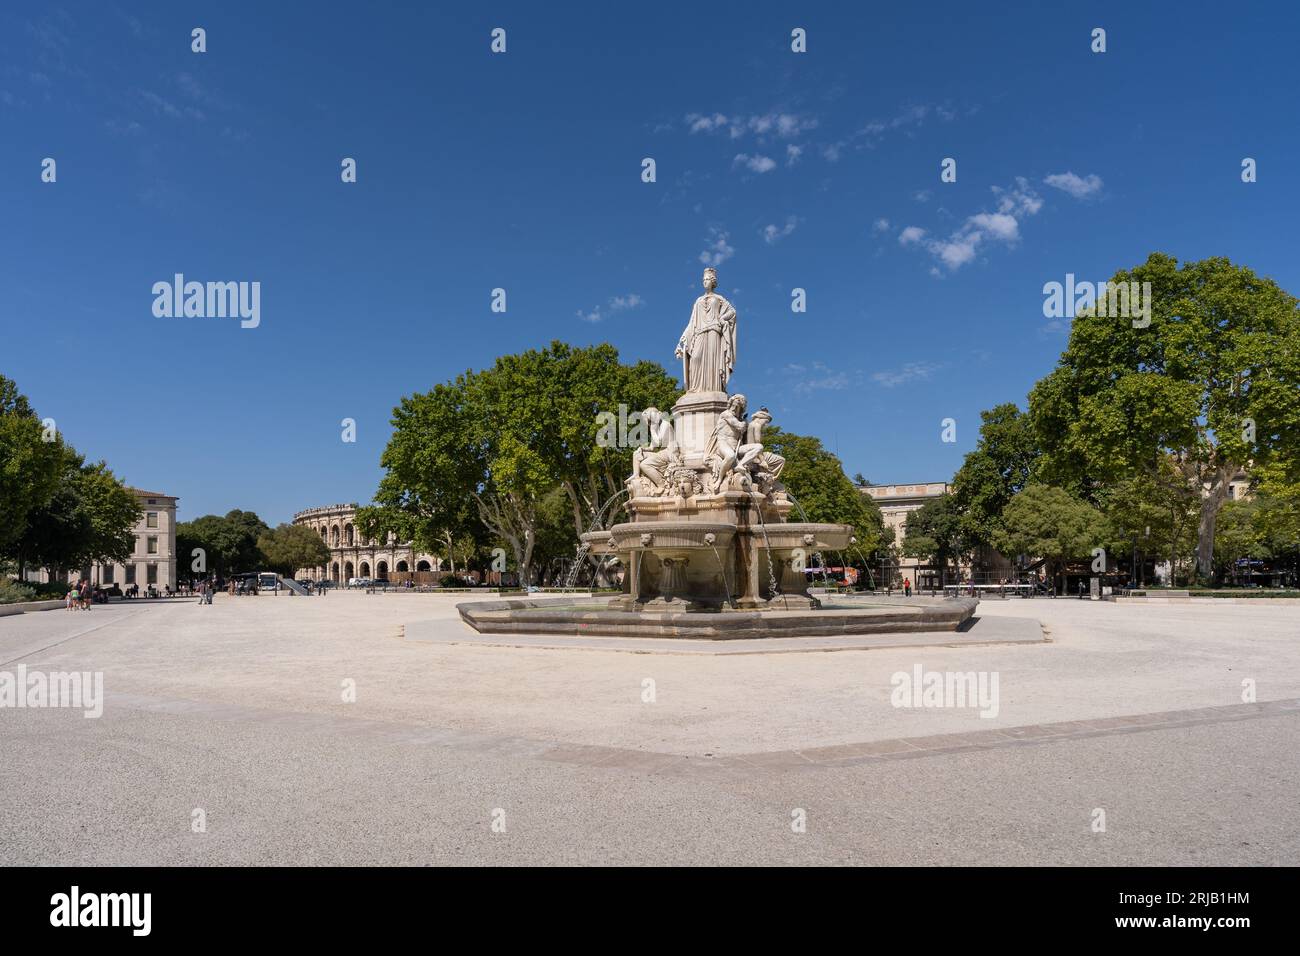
(1210,505)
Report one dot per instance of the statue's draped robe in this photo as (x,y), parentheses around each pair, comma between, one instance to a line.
(709,345)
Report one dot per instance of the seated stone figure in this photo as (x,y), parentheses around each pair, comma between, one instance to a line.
(735,452)
(650,461)
(766,465)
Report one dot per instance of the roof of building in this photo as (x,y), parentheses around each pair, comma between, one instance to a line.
(151,494)
(912,487)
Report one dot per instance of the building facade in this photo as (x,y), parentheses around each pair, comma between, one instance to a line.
(354,556)
(896,502)
(152,562)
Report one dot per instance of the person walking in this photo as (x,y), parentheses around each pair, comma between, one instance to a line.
(907,587)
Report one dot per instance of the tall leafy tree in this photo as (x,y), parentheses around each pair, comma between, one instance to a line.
(815,478)
(1046,522)
(434,465)
(481,453)
(230,541)
(1238,537)
(31,468)
(1209,383)
(1152,511)
(935,532)
(994,472)
(90,517)
(288,547)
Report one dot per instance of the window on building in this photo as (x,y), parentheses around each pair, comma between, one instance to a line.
(151,574)
(130,574)
(151,520)
(152,546)
(107,575)
(153,501)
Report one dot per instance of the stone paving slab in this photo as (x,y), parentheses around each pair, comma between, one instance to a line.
(653,762)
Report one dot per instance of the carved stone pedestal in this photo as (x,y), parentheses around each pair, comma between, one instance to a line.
(694,417)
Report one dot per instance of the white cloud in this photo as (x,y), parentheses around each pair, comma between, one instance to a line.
(718,250)
(772,123)
(1019,199)
(910,372)
(956,251)
(755,163)
(773,233)
(1080,187)
(921,195)
(997,225)
(166,107)
(618,303)
(792,154)
(698,123)
(820,378)
(1014,203)
(910,116)
(880,225)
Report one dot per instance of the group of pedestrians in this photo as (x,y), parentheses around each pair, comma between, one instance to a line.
(79,597)
(204,591)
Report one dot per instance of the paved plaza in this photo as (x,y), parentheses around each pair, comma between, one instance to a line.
(608,751)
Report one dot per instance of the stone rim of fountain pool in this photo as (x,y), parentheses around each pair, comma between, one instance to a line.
(596,616)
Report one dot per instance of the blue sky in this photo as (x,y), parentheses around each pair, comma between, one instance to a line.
(523,171)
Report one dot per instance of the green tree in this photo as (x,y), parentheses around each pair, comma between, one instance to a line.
(90,517)
(591,388)
(31,469)
(1046,522)
(1154,512)
(481,453)
(556,544)
(815,478)
(1277,521)
(1237,536)
(994,472)
(1210,383)
(288,547)
(934,532)
(229,542)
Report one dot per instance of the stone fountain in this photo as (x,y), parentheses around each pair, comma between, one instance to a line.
(709,550)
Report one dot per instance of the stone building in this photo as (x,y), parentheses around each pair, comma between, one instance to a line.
(354,556)
(152,562)
(896,503)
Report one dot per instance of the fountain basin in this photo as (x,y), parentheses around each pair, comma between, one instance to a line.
(808,536)
(671,537)
(598,543)
(604,617)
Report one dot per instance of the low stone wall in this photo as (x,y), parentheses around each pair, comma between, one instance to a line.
(8,609)
(1255,602)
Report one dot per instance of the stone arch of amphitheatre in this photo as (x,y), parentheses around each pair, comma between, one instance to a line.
(354,556)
